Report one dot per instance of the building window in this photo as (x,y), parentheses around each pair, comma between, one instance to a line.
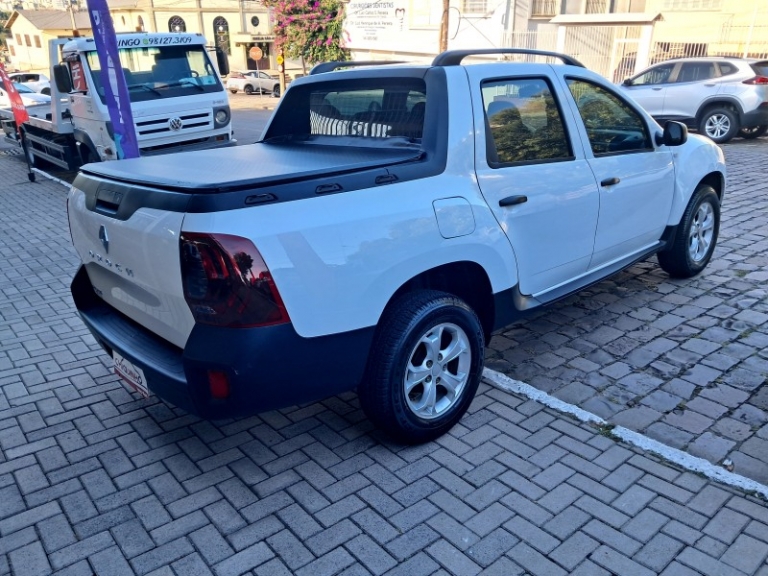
(140,24)
(37,42)
(176,24)
(221,33)
(597,7)
(692,4)
(12,49)
(546,8)
(474,6)
(27,41)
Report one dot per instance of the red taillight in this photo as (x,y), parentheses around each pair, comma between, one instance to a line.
(218,384)
(227,283)
(762,80)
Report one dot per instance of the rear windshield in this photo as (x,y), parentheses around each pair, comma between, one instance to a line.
(369,108)
(761,68)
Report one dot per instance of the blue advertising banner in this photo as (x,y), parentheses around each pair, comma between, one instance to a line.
(113,80)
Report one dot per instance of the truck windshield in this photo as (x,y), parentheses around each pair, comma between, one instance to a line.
(161,72)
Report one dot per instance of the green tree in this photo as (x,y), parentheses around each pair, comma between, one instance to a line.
(309,30)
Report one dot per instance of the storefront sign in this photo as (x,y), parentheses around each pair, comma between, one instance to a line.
(375,25)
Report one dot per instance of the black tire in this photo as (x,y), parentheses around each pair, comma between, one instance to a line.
(678,261)
(248,89)
(46,91)
(399,343)
(719,124)
(276,91)
(233,91)
(753,132)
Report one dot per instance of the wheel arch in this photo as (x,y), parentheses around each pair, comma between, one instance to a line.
(717,181)
(465,279)
(718,101)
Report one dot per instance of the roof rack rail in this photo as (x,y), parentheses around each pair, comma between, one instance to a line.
(454,57)
(331,66)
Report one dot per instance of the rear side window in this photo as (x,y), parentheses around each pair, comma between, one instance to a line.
(524,122)
(726,69)
(696,71)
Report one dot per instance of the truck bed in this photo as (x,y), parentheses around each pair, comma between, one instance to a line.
(251,166)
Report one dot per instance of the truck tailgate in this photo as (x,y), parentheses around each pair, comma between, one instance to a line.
(134,265)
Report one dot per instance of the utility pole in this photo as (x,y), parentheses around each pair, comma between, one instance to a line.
(444,26)
(75,31)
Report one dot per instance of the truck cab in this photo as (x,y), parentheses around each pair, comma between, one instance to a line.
(177,98)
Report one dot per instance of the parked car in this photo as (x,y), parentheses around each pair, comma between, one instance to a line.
(36,82)
(28,96)
(253,82)
(717,96)
(390,220)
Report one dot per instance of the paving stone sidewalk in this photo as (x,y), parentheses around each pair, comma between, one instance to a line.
(94,480)
(683,361)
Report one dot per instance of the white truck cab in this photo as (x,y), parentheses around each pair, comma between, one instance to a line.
(177,98)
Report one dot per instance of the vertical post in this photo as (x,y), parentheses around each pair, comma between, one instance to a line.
(751,29)
(561,39)
(281,70)
(444,26)
(643,48)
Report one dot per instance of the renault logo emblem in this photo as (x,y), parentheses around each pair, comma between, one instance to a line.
(175,123)
(104,239)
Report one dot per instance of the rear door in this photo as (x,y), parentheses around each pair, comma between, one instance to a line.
(533,174)
(635,176)
(695,82)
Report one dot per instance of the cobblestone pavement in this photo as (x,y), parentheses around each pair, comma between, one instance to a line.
(94,480)
(682,361)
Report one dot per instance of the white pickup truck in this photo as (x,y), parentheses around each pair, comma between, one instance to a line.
(389,220)
(177,99)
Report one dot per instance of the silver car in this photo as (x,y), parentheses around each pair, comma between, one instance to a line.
(253,82)
(718,96)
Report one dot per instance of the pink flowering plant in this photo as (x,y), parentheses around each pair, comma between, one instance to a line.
(310,30)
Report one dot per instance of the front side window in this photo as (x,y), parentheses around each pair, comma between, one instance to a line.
(696,71)
(154,73)
(523,122)
(656,75)
(612,125)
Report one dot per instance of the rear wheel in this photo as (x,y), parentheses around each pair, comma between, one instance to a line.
(719,124)
(425,366)
(753,132)
(233,91)
(276,91)
(248,89)
(46,91)
(696,235)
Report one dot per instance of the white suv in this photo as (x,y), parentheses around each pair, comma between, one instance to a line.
(36,82)
(717,96)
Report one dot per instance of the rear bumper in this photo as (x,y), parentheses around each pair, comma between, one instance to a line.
(758,117)
(268,368)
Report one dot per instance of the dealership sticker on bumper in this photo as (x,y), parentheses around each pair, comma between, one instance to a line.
(131,374)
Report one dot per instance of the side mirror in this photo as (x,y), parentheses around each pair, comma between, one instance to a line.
(222,61)
(675,134)
(627,82)
(62,78)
